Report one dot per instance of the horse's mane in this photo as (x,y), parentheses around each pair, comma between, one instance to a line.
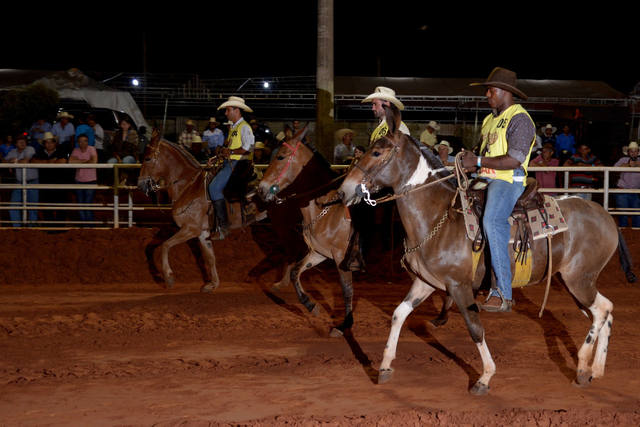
(186,155)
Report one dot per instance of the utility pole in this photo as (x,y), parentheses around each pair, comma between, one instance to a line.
(324,80)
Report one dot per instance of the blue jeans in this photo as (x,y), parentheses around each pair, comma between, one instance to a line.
(216,187)
(626,201)
(501,198)
(16,198)
(125,159)
(86,196)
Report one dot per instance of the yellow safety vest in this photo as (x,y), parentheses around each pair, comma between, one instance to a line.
(494,142)
(234,140)
(380,131)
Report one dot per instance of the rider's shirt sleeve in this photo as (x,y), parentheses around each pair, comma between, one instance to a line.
(247,138)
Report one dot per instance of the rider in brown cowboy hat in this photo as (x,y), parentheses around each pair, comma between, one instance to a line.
(508,135)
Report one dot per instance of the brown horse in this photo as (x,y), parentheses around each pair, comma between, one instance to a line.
(185,181)
(291,178)
(440,255)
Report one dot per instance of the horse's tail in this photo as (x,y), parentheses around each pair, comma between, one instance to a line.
(625,258)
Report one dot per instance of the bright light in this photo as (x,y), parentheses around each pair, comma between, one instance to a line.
(135,82)
(265,85)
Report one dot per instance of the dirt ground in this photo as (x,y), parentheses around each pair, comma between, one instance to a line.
(88,337)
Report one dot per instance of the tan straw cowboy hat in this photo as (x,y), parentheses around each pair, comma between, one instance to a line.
(342,132)
(433,125)
(64,114)
(503,79)
(214,120)
(444,144)
(385,94)
(47,136)
(235,101)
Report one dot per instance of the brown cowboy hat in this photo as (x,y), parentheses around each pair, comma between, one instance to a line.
(504,79)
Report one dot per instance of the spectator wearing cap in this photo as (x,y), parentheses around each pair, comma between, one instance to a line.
(629,181)
(64,131)
(381,97)
(213,136)
(37,131)
(546,179)
(428,136)
(343,151)
(444,150)
(23,154)
(50,153)
(187,135)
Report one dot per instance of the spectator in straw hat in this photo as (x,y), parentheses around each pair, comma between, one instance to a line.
(381,97)
(343,151)
(444,150)
(428,137)
(239,146)
(213,136)
(65,132)
(197,150)
(629,181)
(187,135)
(508,135)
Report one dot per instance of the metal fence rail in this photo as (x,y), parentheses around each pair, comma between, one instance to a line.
(127,205)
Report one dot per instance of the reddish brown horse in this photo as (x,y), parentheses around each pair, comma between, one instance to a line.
(327,228)
(172,167)
(440,255)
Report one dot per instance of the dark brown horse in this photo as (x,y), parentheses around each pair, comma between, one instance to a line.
(297,176)
(169,166)
(440,255)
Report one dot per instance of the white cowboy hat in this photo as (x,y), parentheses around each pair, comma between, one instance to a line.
(385,94)
(632,146)
(196,139)
(65,114)
(548,126)
(434,125)
(47,136)
(444,144)
(342,132)
(235,101)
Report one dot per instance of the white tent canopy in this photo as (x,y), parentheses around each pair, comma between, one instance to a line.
(73,84)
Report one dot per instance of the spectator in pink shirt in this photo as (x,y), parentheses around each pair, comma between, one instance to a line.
(546,179)
(84,153)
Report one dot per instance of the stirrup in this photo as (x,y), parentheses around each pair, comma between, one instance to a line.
(220,233)
(504,307)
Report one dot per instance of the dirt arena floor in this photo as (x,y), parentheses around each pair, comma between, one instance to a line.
(88,337)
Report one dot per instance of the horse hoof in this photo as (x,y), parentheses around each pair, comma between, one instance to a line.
(208,288)
(583,379)
(479,389)
(336,333)
(315,310)
(438,321)
(385,375)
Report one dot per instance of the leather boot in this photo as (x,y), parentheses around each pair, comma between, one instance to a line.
(222,222)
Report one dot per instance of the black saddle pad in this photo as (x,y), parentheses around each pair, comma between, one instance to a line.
(243,173)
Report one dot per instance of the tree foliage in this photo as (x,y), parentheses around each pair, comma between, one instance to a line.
(19,108)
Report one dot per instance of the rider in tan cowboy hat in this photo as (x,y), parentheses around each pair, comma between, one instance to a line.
(508,135)
(379,98)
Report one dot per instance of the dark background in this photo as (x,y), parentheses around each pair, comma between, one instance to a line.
(400,38)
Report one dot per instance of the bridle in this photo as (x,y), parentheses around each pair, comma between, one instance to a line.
(275,188)
(370,175)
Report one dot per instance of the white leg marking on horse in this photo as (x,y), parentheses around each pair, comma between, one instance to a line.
(399,315)
(600,309)
(604,332)
(421,173)
(488,365)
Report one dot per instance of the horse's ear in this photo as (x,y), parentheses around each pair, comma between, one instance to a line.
(393,117)
(155,136)
(300,134)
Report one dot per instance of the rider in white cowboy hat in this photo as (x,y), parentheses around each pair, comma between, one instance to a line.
(381,97)
(428,137)
(239,146)
(508,135)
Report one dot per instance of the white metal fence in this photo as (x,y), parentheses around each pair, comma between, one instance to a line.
(118,203)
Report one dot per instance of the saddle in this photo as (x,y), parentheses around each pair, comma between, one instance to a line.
(534,216)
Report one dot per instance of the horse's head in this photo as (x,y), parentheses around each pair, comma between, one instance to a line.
(393,160)
(152,168)
(289,161)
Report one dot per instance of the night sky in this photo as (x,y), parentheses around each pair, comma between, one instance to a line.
(276,38)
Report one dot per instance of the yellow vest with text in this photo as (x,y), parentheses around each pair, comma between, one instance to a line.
(494,142)
(235,140)
(380,131)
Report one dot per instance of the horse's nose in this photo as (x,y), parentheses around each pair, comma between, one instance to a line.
(359,191)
